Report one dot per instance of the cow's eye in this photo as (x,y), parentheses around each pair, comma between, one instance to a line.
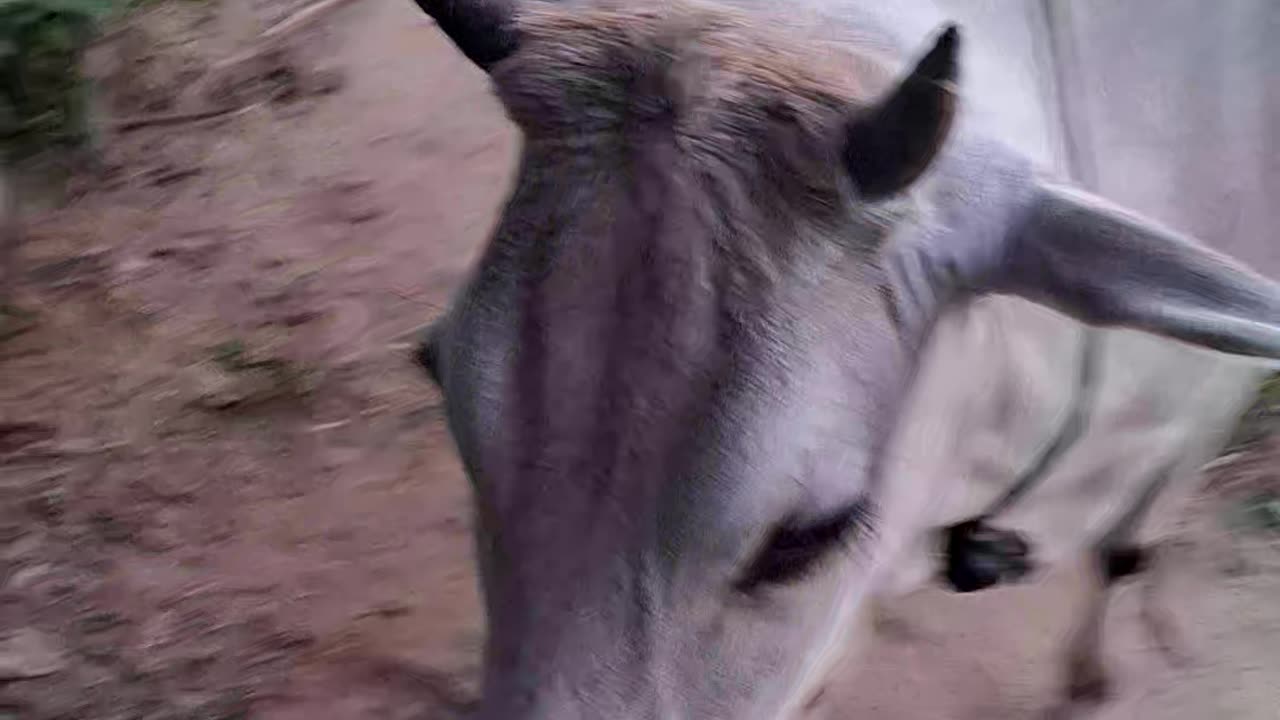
(796,547)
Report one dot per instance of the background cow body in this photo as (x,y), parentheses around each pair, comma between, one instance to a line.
(1070,87)
(641,406)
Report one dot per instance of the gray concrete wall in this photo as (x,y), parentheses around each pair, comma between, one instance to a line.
(1175,107)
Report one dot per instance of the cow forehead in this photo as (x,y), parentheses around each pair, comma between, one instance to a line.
(609,40)
(618,267)
(620,441)
(705,65)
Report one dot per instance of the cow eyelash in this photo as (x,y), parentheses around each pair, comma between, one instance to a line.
(795,548)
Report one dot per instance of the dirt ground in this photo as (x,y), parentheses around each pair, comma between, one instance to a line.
(226,493)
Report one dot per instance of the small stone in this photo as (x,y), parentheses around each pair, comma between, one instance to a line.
(22,548)
(217,389)
(28,653)
(100,622)
(111,527)
(28,577)
(48,504)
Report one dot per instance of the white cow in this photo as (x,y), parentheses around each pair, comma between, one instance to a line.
(760,333)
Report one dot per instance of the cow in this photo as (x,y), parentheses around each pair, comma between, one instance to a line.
(742,284)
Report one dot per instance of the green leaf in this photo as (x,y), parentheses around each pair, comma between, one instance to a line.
(88,8)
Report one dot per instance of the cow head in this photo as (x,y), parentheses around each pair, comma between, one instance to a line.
(674,373)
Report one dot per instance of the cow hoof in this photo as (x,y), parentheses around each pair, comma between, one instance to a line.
(1089,689)
(1086,689)
(979,556)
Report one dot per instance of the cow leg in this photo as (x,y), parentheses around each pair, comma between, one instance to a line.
(1087,682)
(1087,679)
(1112,558)
(1157,619)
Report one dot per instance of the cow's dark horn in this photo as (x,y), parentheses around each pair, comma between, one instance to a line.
(892,144)
(484,30)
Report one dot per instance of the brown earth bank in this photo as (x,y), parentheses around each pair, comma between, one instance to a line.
(225,492)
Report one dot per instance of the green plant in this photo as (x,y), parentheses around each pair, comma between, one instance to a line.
(43,96)
(261,375)
(1258,513)
(1261,419)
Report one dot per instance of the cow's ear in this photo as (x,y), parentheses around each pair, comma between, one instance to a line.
(890,144)
(484,30)
(1105,266)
